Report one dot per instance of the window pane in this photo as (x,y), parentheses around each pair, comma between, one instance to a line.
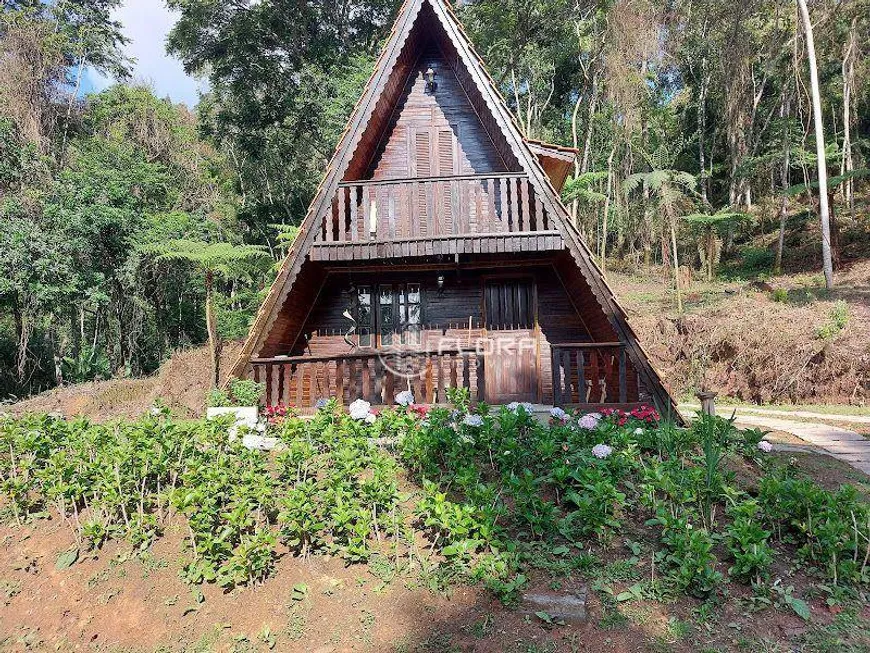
(414,315)
(387,321)
(414,293)
(364,316)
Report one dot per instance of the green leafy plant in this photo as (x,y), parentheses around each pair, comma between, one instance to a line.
(748,543)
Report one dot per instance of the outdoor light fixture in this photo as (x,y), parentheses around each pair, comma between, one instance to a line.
(440,283)
(431,84)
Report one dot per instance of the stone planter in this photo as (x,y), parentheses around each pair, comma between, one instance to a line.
(248,417)
(245,415)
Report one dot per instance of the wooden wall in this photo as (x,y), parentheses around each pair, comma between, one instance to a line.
(434,134)
(387,148)
(293,313)
(447,313)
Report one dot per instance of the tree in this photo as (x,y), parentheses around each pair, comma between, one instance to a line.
(672,190)
(215,260)
(821,165)
(710,227)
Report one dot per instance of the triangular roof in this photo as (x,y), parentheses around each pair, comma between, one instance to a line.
(525,152)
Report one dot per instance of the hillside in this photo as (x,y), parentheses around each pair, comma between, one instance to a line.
(784,340)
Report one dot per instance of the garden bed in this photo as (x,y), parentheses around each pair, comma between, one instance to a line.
(167,533)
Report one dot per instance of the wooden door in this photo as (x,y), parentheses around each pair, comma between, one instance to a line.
(511,354)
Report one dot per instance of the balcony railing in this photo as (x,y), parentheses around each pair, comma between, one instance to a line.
(435,207)
(376,377)
(590,373)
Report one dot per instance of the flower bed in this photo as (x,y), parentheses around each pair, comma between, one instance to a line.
(492,492)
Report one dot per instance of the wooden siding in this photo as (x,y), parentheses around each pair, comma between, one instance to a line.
(300,302)
(456,315)
(439,246)
(434,134)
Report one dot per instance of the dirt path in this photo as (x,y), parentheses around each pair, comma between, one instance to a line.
(843,444)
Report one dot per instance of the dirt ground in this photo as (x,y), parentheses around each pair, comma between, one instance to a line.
(182,383)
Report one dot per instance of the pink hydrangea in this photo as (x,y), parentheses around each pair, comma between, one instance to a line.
(602,451)
(590,421)
(765,446)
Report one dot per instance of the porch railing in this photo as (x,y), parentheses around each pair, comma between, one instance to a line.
(589,373)
(420,208)
(376,377)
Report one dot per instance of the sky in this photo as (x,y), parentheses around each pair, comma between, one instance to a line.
(146,23)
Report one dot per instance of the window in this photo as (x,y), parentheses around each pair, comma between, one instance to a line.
(364,322)
(509,305)
(396,318)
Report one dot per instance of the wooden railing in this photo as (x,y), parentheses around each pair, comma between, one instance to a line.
(590,373)
(434,207)
(376,377)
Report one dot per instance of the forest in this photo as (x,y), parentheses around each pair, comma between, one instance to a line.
(126,218)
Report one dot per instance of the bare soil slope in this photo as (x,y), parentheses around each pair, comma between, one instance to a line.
(182,383)
(776,341)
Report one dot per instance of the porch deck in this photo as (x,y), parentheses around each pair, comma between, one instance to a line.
(588,375)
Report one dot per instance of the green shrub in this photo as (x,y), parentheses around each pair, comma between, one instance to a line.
(239,392)
(688,557)
(748,543)
(831,529)
(837,321)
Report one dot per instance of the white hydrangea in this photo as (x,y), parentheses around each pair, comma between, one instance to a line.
(261,427)
(405,398)
(515,406)
(638,431)
(371,418)
(589,422)
(559,414)
(473,420)
(602,451)
(359,409)
(765,446)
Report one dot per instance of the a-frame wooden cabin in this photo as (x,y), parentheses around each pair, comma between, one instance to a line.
(437,254)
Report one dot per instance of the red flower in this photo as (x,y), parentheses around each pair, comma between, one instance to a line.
(420,410)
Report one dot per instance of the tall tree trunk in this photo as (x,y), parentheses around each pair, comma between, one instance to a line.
(590,116)
(676,266)
(847,165)
(784,111)
(607,211)
(214,344)
(702,129)
(827,263)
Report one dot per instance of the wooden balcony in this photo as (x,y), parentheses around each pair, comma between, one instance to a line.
(434,216)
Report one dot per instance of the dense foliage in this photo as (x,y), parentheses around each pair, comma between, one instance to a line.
(443,495)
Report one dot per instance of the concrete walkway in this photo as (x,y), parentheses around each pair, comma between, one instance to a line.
(842,444)
(725,410)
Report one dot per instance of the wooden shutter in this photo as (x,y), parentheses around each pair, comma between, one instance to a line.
(423,154)
(423,168)
(445,153)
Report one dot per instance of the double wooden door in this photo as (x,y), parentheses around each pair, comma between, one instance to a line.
(512,347)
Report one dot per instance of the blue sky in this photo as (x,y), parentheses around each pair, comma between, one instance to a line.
(146,24)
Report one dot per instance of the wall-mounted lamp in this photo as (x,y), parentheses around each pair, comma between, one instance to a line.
(440,283)
(431,84)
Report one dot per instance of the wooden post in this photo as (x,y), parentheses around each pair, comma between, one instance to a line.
(708,402)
